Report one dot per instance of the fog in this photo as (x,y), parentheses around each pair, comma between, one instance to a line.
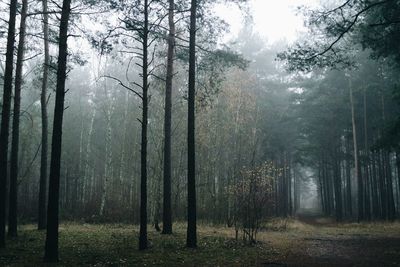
(204,119)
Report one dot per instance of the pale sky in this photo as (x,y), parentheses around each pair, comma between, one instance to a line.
(274,19)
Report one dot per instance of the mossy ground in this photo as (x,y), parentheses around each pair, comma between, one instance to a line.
(289,242)
(117,245)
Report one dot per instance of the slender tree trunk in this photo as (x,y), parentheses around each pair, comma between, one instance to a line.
(356,162)
(5,119)
(367,194)
(43,103)
(124,191)
(348,180)
(108,165)
(87,174)
(12,212)
(337,188)
(382,186)
(167,210)
(191,240)
(375,185)
(51,248)
(143,152)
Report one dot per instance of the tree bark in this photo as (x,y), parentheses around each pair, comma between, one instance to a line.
(51,247)
(5,119)
(13,200)
(191,239)
(167,210)
(143,153)
(43,103)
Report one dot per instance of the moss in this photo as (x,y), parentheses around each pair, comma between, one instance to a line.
(116,245)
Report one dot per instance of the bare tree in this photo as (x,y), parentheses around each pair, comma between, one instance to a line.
(191,240)
(51,248)
(12,214)
(167,213)
(43,103)
(5,118)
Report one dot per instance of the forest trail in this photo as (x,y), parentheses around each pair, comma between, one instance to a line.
(314,240)
(314,218)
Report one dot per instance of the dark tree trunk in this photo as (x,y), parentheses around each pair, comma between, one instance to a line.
(191,239)
(167,216)
(143,176)
(5,119)
(338,189)
(43,104)
(51,248)
(375,186)
(13,200)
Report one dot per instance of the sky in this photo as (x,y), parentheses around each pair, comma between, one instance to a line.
(274,19)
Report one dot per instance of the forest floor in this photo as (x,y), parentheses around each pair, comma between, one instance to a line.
(308,240)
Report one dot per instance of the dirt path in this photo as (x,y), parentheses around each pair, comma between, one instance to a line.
(317,241)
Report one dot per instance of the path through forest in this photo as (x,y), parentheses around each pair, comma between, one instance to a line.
(317,241)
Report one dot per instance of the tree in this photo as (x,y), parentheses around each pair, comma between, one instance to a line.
(144,121)
(43,103)
(191,239)
(51,248)
(5,118)
(167,213)
(12,216)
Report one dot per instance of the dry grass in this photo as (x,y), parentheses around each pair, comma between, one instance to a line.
(116,245)
(282,240)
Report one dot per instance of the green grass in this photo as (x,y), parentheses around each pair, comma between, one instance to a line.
(281,240)
(116,245)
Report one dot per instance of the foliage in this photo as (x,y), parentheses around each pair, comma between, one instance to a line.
(254,198)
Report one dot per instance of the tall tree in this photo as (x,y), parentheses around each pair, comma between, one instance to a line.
(51,248)
(144,121)
(191,239)
(5,118)
(43,103)
(12,214)
(167,216)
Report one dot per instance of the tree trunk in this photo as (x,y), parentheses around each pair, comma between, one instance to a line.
(191,240)
(13,200)
(5,119)
(337,182)
(108,165)
(86,195)
(124,190)
(43,103)
(167,212)
(356,162)
(143,152)
(51,248)
(367,190)
(348,180)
